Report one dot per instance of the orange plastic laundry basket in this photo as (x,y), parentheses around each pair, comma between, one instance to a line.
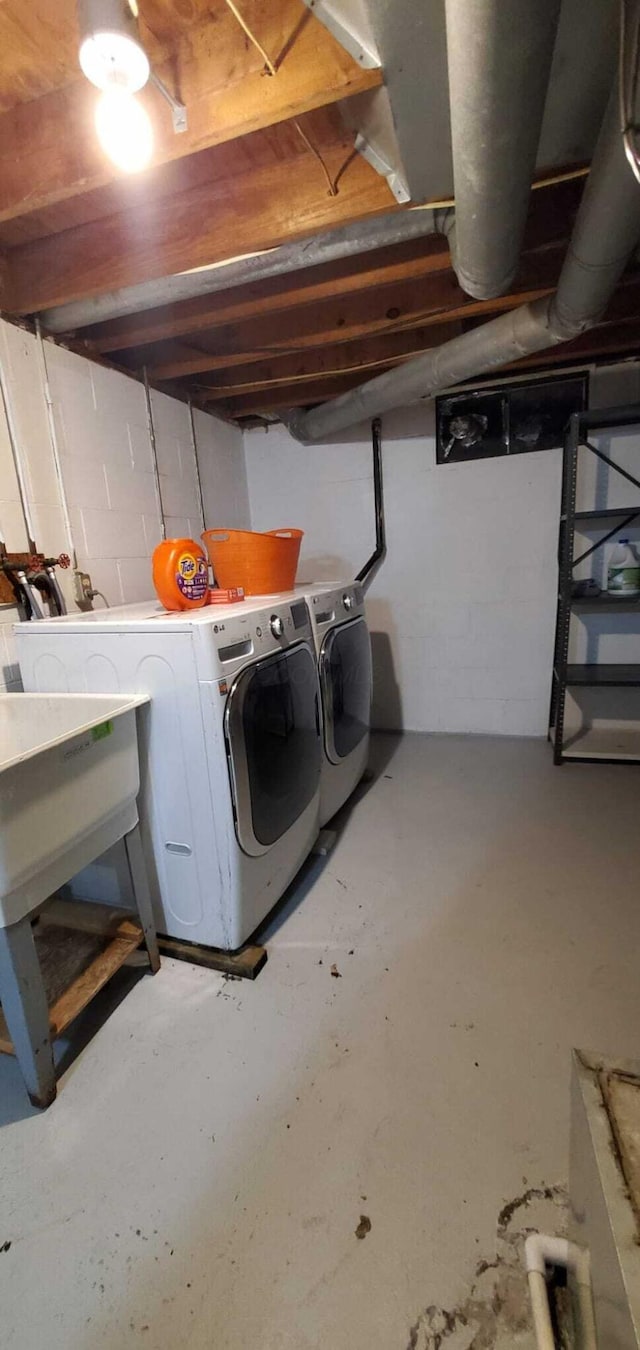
(260,563)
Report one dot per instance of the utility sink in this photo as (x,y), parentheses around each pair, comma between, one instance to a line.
(69,778)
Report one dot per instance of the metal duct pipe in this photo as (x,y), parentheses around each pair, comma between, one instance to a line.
(605,234)
(499,55)
(362,236)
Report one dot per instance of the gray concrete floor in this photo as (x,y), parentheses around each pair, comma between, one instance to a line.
(199,1180)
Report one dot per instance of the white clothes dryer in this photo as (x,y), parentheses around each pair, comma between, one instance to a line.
(231,747)
(343,649)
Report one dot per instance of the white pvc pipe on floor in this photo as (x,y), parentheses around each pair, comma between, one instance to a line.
(542,1250)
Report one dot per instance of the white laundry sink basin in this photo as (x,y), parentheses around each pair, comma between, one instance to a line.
(69,779)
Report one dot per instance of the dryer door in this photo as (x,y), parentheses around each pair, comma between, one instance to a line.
(272,729)
(345,677)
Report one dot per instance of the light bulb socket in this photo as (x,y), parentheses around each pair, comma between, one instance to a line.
(111,53)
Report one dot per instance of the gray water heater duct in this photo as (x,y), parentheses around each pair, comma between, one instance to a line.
(499,55)
(605,235)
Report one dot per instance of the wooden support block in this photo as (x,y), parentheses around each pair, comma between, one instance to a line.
(246,964)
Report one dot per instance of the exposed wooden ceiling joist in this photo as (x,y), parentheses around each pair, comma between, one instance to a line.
(48,147)
(241,180)
(355,359)
(618,335)
(390,266)
(621,340)
(406,305)
(551,211)
(220,218)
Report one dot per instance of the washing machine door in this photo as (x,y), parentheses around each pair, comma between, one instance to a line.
(272,729)
(345,678)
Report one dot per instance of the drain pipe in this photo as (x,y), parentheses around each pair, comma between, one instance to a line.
(605,235)
(542,1251)
(499,58)
(367,573)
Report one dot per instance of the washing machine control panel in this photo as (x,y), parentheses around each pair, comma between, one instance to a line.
(251,632)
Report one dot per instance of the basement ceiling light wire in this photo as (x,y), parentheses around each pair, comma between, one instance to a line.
(333,191)
(252,37)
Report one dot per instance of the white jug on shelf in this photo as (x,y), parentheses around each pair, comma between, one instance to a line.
(624,570)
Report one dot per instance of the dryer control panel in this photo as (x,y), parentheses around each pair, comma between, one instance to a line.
(337,605)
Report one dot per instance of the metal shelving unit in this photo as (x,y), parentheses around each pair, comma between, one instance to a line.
(617,747)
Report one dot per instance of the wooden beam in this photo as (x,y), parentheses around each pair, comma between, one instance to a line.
(410,305)
(48,147)
(551,213)
(358,358)
(348,276)
(287,397)
(283,200)
(619,336)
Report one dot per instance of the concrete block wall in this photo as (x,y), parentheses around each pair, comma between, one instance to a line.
(463,611)
(101,429)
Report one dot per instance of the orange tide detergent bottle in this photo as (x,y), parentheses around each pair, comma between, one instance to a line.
(180,574)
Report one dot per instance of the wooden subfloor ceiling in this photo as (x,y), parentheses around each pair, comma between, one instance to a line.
(268,158)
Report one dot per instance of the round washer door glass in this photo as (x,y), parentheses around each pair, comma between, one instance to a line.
(345,673)
(273,736)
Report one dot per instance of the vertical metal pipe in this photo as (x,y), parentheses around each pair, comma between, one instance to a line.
(17,462)
(367,573)
(196,461)
(55,449)
(154,453)
(499,55)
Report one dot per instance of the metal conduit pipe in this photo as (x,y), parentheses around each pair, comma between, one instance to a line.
(362,236)
(373,564)
(499,55)
(606,232)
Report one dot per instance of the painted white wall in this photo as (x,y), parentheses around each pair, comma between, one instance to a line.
(462,612)
(101,430)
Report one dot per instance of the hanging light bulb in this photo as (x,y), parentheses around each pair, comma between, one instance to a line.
(111,54)
(124,130)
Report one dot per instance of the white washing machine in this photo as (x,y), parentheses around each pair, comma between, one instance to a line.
(231,747)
